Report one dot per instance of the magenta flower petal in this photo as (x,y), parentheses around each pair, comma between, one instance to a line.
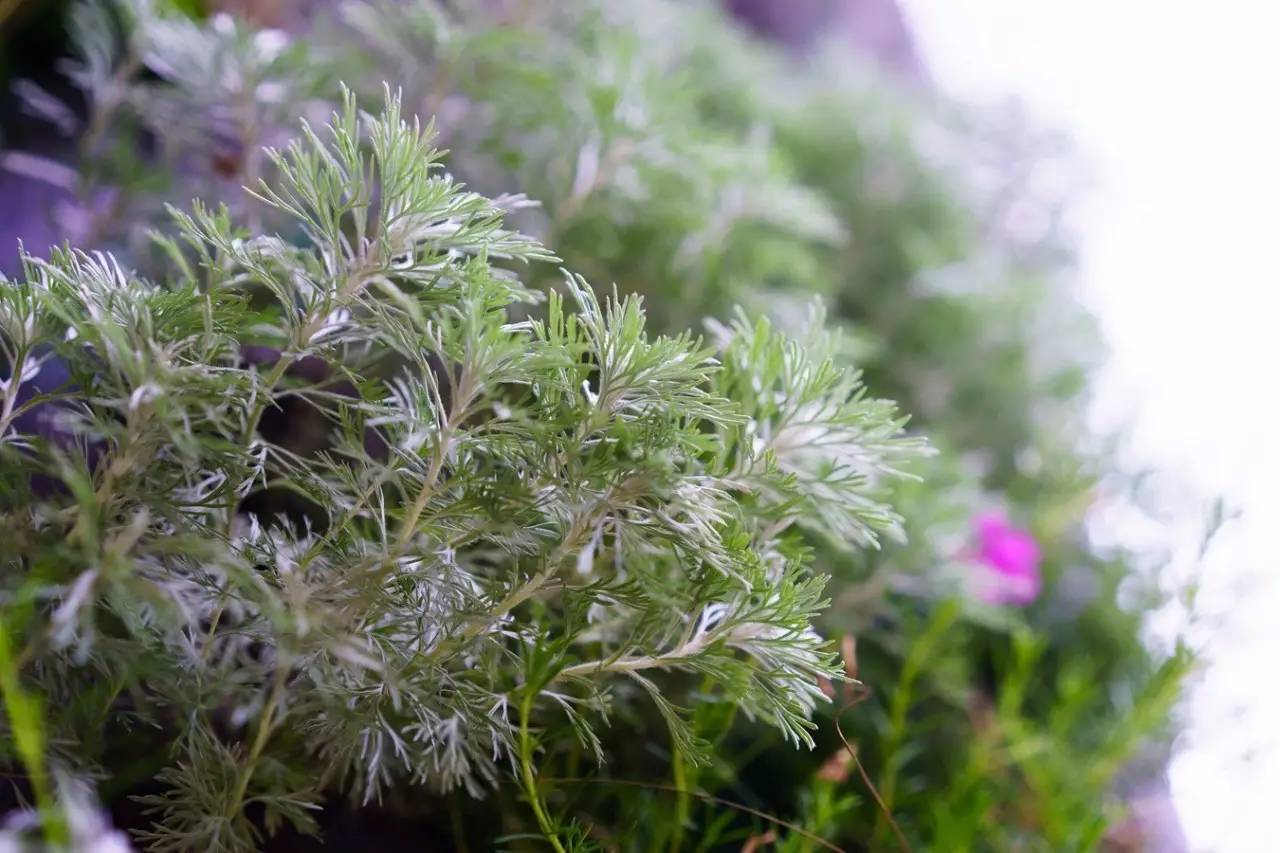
(1011,556)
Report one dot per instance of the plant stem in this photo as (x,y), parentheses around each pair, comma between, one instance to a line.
(682,802)
(263,734)
(27,729)
(527,777)
(410,524)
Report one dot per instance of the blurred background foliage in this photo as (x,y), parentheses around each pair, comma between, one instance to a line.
(679,154)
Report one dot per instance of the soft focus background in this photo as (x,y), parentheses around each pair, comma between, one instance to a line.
(1173,105)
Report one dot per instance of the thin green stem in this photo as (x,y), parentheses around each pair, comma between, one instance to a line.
(527,776)
(266,725)
(682,803)
(27,730)
(479,624)
(706,798)
(410,524)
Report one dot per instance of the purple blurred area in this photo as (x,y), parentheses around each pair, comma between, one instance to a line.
(36,182)
(50,395)
(22,201)
(875,29)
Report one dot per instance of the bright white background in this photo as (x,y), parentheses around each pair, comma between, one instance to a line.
(1176,107)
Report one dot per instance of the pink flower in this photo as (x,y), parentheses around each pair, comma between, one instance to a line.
(1012,558)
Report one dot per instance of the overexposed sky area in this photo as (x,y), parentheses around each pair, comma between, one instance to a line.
(1174,107)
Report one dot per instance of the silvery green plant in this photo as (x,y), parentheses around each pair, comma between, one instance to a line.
(676,157)
(521,509)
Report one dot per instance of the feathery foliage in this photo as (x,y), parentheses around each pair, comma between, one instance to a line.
(512,516)
(524,535)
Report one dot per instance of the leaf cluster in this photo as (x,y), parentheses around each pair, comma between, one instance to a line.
(514,510)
